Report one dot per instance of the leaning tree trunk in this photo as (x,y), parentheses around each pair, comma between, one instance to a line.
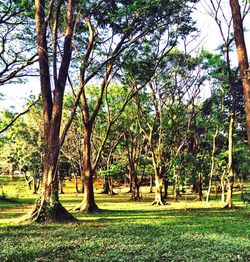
(88,204)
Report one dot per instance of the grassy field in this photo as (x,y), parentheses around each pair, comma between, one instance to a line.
(126,231)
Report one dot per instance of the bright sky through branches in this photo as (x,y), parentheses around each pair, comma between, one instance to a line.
(16,96)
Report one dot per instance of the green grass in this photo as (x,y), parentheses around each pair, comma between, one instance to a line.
(127,231)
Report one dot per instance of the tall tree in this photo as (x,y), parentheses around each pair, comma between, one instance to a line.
(242,59)
(123,28)
(48,206)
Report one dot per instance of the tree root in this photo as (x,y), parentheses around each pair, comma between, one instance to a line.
(134,199)
(198,199)
(227,206)
(158,202)
(87,208)
(46,213)
(104,192)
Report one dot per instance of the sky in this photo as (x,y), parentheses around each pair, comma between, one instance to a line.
(16,96)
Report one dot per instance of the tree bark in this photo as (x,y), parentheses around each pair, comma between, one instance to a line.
(61,186)
(151,184)
(106,188)
(222,182)
(158,192)
(88,204)
(212,163)
(48,207)
(135,190)
(200,193)
(166,184)
(242,59)
(76,182)
(229,203)
(176,188)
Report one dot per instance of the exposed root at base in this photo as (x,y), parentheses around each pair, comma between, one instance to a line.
(198,199)
(134,199)
(83,207)
(227,206)
(48,214)
(107,193)
(159,203)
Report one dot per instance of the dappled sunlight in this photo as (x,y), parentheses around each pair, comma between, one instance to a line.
(179,231)
(186,230)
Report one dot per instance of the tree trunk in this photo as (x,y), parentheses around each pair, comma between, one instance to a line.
(242,59)
(176,188)
(106,188)
(82,184)
(229,203)
(48,207)
(36,184)
(111,186)
(88,204)
(212,163)
(158,192)
(135,192)
(151,184)
(76,182)
(130,182)
(222,182)
(166,184)
(61,186)
(200,194)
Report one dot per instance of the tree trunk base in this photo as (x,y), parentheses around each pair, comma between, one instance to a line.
(159,202)
(46,213)
(229,206)
(104,192)
(87,207)
(198,198)
(134,199)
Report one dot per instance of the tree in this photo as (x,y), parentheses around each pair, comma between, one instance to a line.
(127,27)
(242,59)
(22,147)
(48,206)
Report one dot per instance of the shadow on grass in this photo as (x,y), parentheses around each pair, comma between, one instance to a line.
(166,235)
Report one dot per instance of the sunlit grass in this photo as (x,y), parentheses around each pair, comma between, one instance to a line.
(129,231)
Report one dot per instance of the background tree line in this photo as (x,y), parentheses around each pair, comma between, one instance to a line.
(134,104)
